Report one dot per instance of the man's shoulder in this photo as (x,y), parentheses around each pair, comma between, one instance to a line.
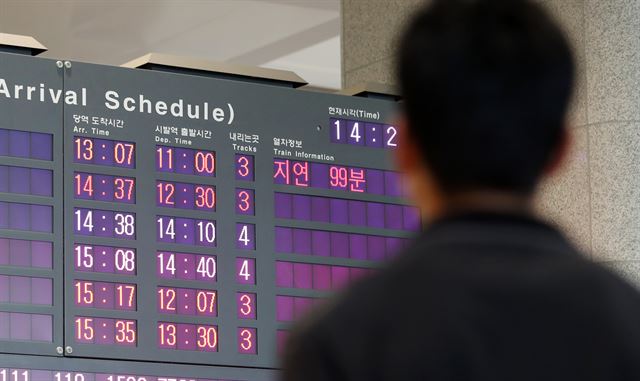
(437,276)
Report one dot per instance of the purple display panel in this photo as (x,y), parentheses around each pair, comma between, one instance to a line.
(32,145)
(186,301)
(186,266)
(16,326)
(245,236)
(186,231)
(282,337)
(41,146)
(186,196)
(4,142)
(284,308)
(29,181)
(247,305)
(187,337)
(347,212)
(88,186)
(19,143)
(245,271)
(105,331)
(185,161)
(104,223)
(412,219)
(22,253)
(284,274)
(26,290)
(26,217)
(245,202)
(283,205)
(104,152)
(338,131)
(375,181)
(105,295)
(104,259)
(244,167)
(247,341)
(317,277)
(292,308)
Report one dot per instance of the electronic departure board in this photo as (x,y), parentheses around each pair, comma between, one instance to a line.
(181,220)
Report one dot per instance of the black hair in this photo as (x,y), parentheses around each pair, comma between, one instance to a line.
(486,86)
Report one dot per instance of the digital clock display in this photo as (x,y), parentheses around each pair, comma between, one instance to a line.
(181,240)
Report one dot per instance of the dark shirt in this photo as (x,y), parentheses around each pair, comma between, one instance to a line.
(477,297)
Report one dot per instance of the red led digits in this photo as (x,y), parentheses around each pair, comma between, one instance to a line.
(125,332)
(186,301)
(104,295)
(105,331)
(247,341)
(189,337)
(104,152)
(185,161)
(104,188)
(185,196)
(246,303)
(339,177)
(244,167)
(84,149)
(205,197)
(205,163)
(84,330)
(208,338)
(245,201)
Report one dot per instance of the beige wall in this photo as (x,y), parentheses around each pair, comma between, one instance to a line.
(597,196)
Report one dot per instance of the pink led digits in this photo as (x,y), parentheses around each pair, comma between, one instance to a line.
(337,177)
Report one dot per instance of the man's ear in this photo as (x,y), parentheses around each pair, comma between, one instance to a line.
(560,154)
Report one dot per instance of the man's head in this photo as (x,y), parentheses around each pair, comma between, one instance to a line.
(486,85)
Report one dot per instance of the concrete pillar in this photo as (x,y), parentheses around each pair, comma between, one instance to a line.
(612,36)
(596,197)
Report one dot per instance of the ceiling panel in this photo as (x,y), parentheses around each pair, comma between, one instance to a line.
(297,35)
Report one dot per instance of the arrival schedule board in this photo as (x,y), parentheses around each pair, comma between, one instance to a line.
(201,216)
